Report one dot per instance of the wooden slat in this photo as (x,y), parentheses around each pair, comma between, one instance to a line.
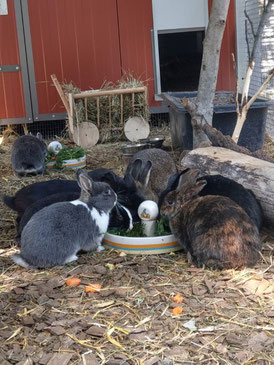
(88,94)
(122,109)
(60,92)
(109,111)
(98,111)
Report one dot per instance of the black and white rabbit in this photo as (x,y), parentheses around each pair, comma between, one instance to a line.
(220,185)
(28,155)
(55,234)
(213,229)
(120,217)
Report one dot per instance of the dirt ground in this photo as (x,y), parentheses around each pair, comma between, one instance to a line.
(227,317)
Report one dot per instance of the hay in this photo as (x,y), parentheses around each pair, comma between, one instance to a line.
(111,105)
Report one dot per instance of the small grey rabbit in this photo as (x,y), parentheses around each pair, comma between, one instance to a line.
(28,155)
(55,234)
(213,229)
(151,169)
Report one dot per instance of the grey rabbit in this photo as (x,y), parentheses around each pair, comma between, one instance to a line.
(151,169)
(55,234)
(28,155)
(213,230)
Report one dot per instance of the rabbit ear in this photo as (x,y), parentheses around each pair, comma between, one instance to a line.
(39,136)
(145,175)
(129,181)
(135,169)
(188,178)
(109,178)
(188,185)
(84,181)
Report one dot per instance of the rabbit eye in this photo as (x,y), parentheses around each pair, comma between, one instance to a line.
(170,202)
(107,192)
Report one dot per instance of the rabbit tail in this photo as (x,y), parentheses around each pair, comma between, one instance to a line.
(18,259)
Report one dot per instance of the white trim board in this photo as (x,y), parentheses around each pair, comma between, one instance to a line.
(170,16)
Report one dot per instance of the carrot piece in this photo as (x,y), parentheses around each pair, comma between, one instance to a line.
(73,282)
(177,310)
(177,298)
(93,288)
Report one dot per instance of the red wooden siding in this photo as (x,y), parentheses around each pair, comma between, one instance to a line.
(135,24)
(75,39)
(226,76)
(12,103)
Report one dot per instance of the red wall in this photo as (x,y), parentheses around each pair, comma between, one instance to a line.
(226,76)
(88,42)
(12,104)
(135,24)
(76,40)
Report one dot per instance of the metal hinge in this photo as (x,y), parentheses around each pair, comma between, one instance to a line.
(9,68)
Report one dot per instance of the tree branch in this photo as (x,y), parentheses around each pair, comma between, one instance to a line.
(263,86)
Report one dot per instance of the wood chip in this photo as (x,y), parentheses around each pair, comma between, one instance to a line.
(60,359)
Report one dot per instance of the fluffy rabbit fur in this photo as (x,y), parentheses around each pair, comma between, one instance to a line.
(214,230)
(28,155)
(151,169)
(55,234)
(220,185)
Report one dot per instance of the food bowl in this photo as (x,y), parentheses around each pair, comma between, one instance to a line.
(69,164)
(130,149)
(155,142)
(142,245)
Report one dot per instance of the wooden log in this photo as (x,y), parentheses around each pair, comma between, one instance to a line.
(253,173)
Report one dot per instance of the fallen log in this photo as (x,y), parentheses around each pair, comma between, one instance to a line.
(253,173)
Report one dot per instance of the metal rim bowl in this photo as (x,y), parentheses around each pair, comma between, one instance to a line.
(142,245)
(130,149)
(155,142)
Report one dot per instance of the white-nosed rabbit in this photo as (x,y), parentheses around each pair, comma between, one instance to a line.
(151,169)
(28,155)
(55,234)
(215,230)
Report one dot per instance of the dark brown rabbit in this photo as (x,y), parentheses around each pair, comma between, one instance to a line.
(214,230)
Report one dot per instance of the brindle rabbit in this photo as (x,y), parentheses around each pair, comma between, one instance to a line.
(214,230)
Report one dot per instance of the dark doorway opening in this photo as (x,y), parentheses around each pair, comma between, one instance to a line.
(180,60)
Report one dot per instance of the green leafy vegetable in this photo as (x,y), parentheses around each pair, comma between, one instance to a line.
(66,153)
(162,229)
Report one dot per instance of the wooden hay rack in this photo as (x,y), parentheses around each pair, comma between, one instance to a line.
(75,125)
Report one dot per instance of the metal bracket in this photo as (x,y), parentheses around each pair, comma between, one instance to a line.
(10,68)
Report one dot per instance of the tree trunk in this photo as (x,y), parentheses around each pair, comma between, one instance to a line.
(209,68)
(252,173)
(211,56)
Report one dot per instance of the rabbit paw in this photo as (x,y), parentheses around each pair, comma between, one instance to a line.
(189,258)
(71,259)
(100,248)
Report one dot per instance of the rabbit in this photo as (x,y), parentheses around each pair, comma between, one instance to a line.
(120,216)
(34,192)
(220,185)
(40,204)
(151,169)
(28,155)
(213,230)
(34,197)
(55,234)
(129,197)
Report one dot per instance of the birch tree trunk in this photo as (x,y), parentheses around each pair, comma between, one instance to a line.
(245,104)
(203,107)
